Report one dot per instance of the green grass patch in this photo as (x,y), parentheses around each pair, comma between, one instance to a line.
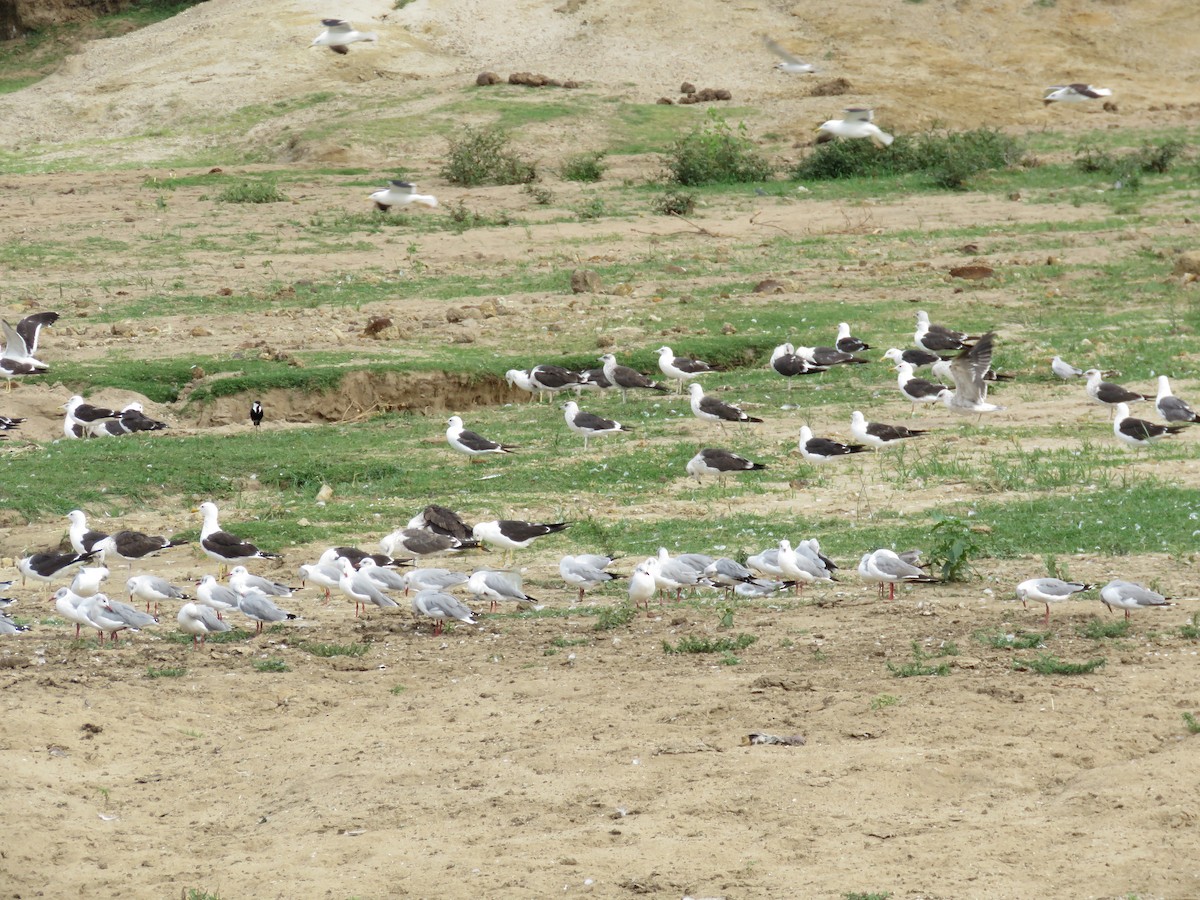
(252,192)
(233,636)
(1191,723)
(275,664)
(1100,630)
(883,701)
(612,617)
(165,672)
(587,166)
(920,664)
(1048,664)
(714,152)
(1019,640)
(697,644)
(327,650)
(1191,631)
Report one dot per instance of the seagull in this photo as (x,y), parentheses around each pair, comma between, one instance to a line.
(550,379)
(419,542)
(586,570)
(877,435)
(766,562)
(1047,591)
(519,378)
(87,580)
(848,343)
(512,534)
(1128,595)
(131,545)
(441,520)
(225,548)
(969,369)
(642,585)
(152,588)
(714,410)
(680,368)
(856,124)
(915,357)
(133,418)
(715,461)
(85,415)
(256,605)
(94,607)
(362,589)
(1074,93)
(495,586)
(67,603)
(728,573)
(1107,393)
(470,443)
(1139,432)
(787,363)
(885,567)
(938,338)
(242,582)
(339,35)
(1170,407)
(199,621)
(1064,369)
(439,606)
(384,577)
(943,370)
(819,450)
(359,558)
(215,596)
(16,359)
(788,63)
(49,565)
(824,357)
(800,567)
(8,423)
(134,619)
(433,580)
(30,329)
(8,626)
(624,378)
(256,414)
(587,424)
(401,193)
(670,575)
(916,390)
(324,575)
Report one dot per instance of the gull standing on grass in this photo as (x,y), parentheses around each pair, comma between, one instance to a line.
(680,368)
(715,461)
(1108,394)
(470,443)
(1139,432)
(877,434)
(714,410)
(916,390)
(1170,407)
(549,379)
(938,338)
(588,424)
(970,369)
(624,378)
(914,356)
(1129,596)
(1047,591)
(819,450)
(786,362)
(512,534)
(1064,369)
(848,343)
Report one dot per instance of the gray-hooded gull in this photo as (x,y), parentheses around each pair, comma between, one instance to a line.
(471,444)
(1064,369)
(401,193)
(642,586)
(883,566)
(788,63)
(970,369)
(1074,93)
(588,424)
(439,606)
(67,604)
(256,605)
(433,579)
(362,589)
(498,587)
(586,570)
(713,410)
(1170,407)
(324,575)
(215,596)
(1047,591)
(340,34)
(154,590)
(1130,596)
(855,124)
(199,621)
(1139,432)
(242,582)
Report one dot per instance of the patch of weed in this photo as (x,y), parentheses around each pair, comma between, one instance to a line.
(1047,664)
(327,650)
(920,663)
(955,543)
(1099,629)
(694,644)
(1020,640)
(482,156)
(715,153)
(587,166)
(1191,631)
(166,672)
(1193,725)
(252,192)
(883,701)
(675,203)
(610,617)
(275,664)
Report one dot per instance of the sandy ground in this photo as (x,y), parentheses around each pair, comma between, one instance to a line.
(538,757)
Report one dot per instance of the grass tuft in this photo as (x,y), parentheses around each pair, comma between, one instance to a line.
(482,156)
(1099,629)
(1019,640)
(715,153)
(1191,631)
(1048,664)
(883,701)
(1192,724)
(587,166)
(275,664)
(920,665)
(610,617)
(693,644)
(327,650)
(166,672)
(252,192)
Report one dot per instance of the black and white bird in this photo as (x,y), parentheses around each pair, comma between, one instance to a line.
(440,606)
(512,534)
(943,370)
(938,338)
(83,539)
(548,380)
(589,424)
(87,415)
(519,378)
(625,379)
(713,410)
(256,414)
(401,193)
(916,390)
(471,444)
(681,368)
(788,63)
(1139,432)
(856,124)
(340,34)
(848,343)
(914,356)
(1131,596)
(441,520)
(877,434)
(30,329)
(820,450)
(1064,369)
(787,363)
(410,542)
(8,423)
(1047,591)
(130,545)
(970,369)
(16,360)
(48,565)
(1107,393)
(133,418)
(825,357)
(1170,407)
(715,461)
(1074,93)
(227,549)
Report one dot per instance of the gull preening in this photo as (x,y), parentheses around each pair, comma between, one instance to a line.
(857,124)
(401,193)
(1074,93)
(970,370)
(1049,590)
(786,362)
(586,570)
(788,63)
(340,34)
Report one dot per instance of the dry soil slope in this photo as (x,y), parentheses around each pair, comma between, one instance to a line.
(939,61)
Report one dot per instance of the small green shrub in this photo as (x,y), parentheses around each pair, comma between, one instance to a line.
(270,665)
(675,203)
(542,196)
(166,672)
(482,156)
(919,665)
(1193,726)
(1099,629)
(610,617)
(692,644)
(955,543)
(587,166)
(1191,631)
(715,153)
(883,701)
(1020,640)
(593,208)
(327,650)
(1047,664)
(252,192)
